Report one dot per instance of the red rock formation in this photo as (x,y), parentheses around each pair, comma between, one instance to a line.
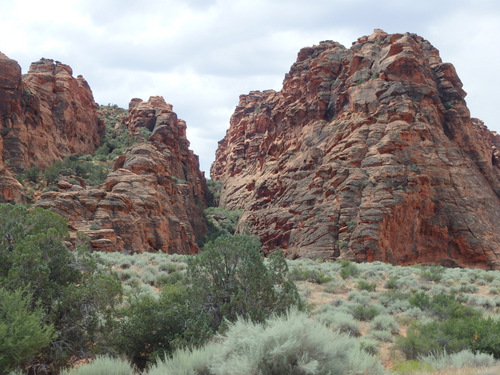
(367,153)
(46,114)
(10,94)
(151,201)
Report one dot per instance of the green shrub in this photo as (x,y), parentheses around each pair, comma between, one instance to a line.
(453,335)
(415,168)
(364,312)
(151,326)
(95,226)
(32,173)
(229,279)
(365,285)
(51,174)
(446,306)
(213,194)
(75,292)
(420,300)
(220,222)
(348,269)
(50,188)
(144,134)
(23,332)
(102,365)
(293,344)
(464,358)
(392,283)
(415,343)
(351,224)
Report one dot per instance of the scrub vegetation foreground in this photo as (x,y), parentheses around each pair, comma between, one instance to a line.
(229,310)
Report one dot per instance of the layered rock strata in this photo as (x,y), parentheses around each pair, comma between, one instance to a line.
(367,153)
(45,115)
(153,199)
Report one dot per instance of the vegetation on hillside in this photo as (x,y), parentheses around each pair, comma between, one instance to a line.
(84,170)
(226,310)
(371,308)
(116,138)
(67,297)
(72,299)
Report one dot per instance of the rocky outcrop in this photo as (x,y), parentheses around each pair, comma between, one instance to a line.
(152,200)
(46,114)
(367,153)
(10,94)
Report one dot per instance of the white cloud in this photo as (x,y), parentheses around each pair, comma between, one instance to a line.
(201,55)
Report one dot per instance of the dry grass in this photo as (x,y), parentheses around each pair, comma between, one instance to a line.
(462,371)
(316,296)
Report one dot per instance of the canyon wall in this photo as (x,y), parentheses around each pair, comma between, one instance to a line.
(367,153)
(45,115)
(152,200)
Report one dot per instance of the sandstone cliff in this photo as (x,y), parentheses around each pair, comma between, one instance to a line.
(367,153)
(10,99)
(152,200)
(44,115)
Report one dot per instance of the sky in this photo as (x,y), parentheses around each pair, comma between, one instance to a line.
(201,55)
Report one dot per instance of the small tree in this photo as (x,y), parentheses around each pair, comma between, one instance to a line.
(22,331)
(75,292)
(151,326)
(229,279)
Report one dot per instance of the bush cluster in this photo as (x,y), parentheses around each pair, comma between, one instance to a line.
(290,344)
(228,280)
(67,297)
(220,222)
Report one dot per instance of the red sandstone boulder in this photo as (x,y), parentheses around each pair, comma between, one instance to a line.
(367,153)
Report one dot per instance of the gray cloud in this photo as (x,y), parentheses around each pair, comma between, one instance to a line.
(201,55)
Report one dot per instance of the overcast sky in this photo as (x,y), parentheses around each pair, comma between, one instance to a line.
(200,55)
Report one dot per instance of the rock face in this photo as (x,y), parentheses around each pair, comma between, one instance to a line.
(44,115)
(10,99)
(151,201)
(367,153)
